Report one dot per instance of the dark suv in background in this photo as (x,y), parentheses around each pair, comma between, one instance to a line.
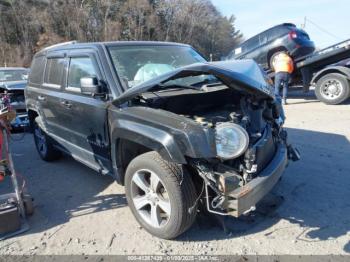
(177,131)
(262,47)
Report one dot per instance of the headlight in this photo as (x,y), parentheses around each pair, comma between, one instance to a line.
(231,140)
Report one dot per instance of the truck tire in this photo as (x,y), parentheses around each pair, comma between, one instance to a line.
(332,89)
(44,145)
(161,195)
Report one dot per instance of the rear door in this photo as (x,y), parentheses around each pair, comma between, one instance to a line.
(82,116)
(34,86)
(50,92)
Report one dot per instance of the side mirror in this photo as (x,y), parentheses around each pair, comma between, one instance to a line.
(91,86)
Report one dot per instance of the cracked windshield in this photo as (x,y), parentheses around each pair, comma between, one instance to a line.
(135,64)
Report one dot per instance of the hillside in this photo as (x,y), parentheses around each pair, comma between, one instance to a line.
(26,26)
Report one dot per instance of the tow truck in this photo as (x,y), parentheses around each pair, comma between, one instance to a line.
(327,71)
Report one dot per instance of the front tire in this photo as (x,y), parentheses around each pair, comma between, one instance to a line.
(44,145)
(160,195)
(332,89)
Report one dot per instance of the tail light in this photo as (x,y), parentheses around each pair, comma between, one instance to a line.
(292,35)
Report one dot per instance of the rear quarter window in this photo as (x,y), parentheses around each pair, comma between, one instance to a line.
(37,70)
(278,32)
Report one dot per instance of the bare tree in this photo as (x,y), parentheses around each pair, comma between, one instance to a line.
(26,26)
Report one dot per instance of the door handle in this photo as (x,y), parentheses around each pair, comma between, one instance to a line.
(66,104)
(41,98)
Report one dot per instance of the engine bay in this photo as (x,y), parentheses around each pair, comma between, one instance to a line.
(215,105)
(220,105)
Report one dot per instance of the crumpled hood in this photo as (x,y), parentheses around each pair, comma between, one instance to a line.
(13,85)
(243,75)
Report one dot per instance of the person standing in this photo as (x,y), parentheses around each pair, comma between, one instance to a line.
(283,66)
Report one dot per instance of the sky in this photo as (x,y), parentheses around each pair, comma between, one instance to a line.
(254,16)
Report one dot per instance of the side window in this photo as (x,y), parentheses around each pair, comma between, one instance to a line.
(246,47)
(251,43)
(256,42)
(263,38)
(79,67)
(54,71)
(277,32)
(37,70)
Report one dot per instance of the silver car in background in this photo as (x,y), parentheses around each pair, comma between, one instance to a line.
(13,81)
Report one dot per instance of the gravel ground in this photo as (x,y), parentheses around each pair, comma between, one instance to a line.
(80,212)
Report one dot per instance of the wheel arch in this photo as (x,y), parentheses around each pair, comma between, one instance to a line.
(130,141)
(329,70)
(32,114)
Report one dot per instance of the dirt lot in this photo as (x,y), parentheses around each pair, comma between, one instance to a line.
(79,212)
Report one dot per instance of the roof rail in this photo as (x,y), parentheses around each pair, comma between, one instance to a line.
(60,44)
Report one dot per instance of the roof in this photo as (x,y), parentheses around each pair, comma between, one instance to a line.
(284,24)
(143,43)
(75,44)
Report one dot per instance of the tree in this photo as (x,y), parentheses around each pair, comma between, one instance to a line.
(27,26)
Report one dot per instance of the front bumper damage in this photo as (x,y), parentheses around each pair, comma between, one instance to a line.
(240,200)
(228,198)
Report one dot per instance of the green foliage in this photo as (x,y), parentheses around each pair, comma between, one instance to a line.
(26,26)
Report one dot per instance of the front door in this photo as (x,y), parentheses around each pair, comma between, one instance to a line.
(84,117)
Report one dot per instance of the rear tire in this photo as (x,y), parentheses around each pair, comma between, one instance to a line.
(332,89)
(160,195)
(44,144)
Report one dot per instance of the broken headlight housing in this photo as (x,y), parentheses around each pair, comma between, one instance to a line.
(231,140)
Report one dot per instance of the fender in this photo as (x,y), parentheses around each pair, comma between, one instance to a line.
(38,120)
(150,137)
(173,136)
(34,108)
(331,69)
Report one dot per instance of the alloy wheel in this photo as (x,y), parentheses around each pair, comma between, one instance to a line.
(150,198)
(40,141)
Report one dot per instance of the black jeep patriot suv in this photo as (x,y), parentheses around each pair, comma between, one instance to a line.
(180,133)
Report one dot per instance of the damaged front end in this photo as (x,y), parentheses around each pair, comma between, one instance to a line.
(235,110)
(233,186)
